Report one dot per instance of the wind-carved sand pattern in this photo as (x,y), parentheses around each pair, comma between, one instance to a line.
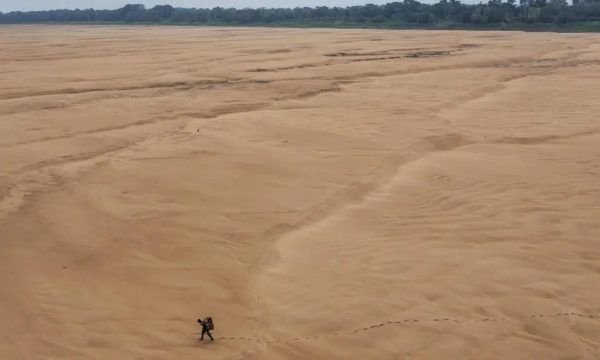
(323,194)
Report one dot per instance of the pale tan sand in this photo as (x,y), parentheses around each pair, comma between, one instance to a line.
(438,199)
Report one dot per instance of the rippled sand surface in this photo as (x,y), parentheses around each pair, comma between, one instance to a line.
(355,194)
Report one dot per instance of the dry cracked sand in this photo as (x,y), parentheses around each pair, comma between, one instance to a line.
(323,194)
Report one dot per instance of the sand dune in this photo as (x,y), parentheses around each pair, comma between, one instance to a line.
(321,193)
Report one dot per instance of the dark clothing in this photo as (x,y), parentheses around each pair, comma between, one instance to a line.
(206,331)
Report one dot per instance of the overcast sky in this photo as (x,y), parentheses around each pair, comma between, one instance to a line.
(26,5)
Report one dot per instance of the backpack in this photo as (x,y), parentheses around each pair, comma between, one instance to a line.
(209,323)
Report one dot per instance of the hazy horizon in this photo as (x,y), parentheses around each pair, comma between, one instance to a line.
(33,5)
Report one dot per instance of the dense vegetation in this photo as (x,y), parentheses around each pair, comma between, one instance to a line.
(527,14)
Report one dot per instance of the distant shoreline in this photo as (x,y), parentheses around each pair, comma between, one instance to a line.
(577,27)
(527,15)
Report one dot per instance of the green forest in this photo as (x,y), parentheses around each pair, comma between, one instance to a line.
(558,15)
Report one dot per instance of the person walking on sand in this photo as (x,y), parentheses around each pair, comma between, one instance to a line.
(207,326)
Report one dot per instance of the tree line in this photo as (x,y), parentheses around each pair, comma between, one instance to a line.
(395,14)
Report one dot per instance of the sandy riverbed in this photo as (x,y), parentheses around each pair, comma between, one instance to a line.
(355,194)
